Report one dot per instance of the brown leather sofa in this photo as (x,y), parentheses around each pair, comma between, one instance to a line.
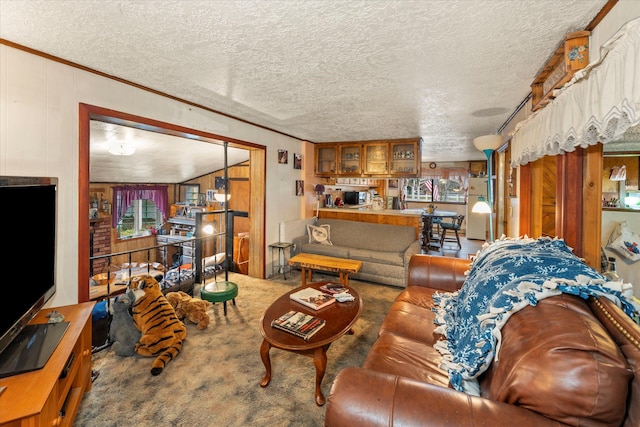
(566,361)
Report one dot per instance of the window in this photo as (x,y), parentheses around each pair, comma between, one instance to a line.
(138,209)
(421,189)
(440,185)
(140,218)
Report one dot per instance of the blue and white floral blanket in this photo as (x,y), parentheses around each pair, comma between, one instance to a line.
(506,276)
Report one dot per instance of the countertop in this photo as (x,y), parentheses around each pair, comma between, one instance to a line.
(369,210)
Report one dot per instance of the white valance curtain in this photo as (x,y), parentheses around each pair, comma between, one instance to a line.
(597,106)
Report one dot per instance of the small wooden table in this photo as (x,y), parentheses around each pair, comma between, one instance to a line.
(340,317)
(312,262)
(427,225)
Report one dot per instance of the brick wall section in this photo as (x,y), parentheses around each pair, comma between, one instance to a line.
(101,235)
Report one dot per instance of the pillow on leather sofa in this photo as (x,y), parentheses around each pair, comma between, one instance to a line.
(557,359)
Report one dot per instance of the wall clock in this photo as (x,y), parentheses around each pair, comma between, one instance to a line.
(432,165)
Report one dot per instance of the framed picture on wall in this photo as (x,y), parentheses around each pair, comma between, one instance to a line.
(210,195)
(283,157)
(297,161)
(220,183)
(299,187)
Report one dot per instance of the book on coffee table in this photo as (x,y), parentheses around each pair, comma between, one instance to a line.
(333,288)
(313,298)
(299,324)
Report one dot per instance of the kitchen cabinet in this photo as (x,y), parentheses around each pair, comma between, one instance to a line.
(405,158)
(376,158)
(325,156)
(350,156)
(394,158)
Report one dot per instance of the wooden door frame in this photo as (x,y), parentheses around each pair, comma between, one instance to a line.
(578,207)
(257,156)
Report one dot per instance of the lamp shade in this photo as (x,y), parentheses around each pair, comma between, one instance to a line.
(488,142)
(220,197)
(481,206)
(618,173)
(319,188)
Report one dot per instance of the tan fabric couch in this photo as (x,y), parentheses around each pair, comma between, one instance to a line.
(384,249)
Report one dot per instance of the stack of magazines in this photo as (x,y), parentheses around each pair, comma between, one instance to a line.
(299,324)
(333,288)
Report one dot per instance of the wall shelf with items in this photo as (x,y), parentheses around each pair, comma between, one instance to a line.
(189,194)
(572,55)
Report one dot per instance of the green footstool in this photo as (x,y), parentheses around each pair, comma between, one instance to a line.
(220,292)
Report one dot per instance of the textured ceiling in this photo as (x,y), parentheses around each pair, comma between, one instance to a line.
(445,70)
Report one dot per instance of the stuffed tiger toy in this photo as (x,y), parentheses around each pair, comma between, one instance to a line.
(162,331)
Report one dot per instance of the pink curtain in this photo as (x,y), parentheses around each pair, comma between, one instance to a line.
(123,196)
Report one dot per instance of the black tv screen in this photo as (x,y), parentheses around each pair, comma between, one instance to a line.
(28,209)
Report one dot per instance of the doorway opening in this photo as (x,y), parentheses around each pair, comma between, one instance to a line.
(89,114)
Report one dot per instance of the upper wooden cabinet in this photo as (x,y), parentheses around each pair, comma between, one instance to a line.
(379,159)
(376,158)
(325,156)
(405,158)
(350,159)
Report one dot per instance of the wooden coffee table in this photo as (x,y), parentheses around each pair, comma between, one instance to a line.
(310,262)
(340,317)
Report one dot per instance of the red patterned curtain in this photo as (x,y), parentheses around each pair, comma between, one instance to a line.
(123,196)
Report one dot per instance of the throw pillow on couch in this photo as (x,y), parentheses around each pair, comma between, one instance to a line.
(319,234)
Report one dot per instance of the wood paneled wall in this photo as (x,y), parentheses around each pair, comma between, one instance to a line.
(572,201)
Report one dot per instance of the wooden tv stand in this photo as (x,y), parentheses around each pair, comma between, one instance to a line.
(42,398)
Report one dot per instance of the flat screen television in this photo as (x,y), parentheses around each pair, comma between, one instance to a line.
(27,272)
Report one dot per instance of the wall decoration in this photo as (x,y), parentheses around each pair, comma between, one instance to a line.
(210,195)
(220,183)
(283,157)
(299,187)
(297,161)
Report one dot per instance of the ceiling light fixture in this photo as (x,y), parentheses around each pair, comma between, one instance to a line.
(121,148)
(220,197)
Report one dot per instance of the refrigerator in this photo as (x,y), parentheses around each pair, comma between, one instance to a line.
(476,222)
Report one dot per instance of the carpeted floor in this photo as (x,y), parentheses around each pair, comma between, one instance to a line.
(215,380)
